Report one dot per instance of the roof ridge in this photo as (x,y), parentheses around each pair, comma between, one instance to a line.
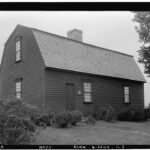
(87,44)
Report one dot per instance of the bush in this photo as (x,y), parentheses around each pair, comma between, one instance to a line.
(66,118)
(76,116)
(33,113)
(18,131)
(147,113)
(90,119)
(123,116)
(139,115)
(103,113)
(132,114)
(95,114)
(45,118)
(107,114)
(29,125)
(110,114)
(99,114)
(16,126)
(14,136)
(62,119)
(42,124)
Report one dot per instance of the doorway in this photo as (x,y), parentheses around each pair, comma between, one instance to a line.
(70,96)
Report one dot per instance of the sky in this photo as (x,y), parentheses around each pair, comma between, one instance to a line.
(113,30)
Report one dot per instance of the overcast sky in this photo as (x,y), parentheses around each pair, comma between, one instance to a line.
(113,30)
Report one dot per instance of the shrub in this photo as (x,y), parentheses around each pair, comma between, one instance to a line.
(139,115)
(132,114)
(95,114)
(29,125)
(18,108)
(90,119)
(103,112)
(42,124)
(45,118)
(88,113)
(14,136)
(50,115)
(33,112)
(107,114)
(76,116)
(110,114)
(62,119)
(15,124)
(17,130)
(123,116)
(147,113)
(99,114)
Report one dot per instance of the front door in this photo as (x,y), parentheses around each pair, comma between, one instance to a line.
(70,97)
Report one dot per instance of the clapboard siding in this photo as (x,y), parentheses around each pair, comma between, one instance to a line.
(31,68)
(45,87)
(105,91)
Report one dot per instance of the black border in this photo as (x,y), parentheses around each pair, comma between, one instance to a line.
(75,6)
(74,147)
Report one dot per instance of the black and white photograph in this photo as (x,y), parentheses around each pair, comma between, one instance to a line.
(75,78)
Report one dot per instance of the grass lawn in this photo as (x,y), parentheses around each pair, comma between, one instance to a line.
(99,133)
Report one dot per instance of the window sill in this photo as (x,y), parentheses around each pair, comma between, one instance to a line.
(88,102)
(126,103)
(17,61)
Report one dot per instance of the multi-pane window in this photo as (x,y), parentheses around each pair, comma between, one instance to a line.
(87,92)
(18,89)
(18,51)
(126,94)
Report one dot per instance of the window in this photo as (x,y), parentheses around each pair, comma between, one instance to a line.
(87,92)
(18,51)
(126,94)
(18,89)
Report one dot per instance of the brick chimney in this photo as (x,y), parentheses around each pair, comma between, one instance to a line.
(75,34)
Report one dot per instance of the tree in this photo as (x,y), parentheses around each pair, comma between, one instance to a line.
(149,105)
(143,30)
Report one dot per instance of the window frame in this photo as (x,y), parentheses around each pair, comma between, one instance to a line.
(18,51)
(89,92)
(124,94)
(20,91)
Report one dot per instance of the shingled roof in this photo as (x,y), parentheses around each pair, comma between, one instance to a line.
(60,52)
(63,53)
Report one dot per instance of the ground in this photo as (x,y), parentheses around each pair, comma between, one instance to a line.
(99,133)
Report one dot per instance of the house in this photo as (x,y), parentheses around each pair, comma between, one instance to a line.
(55,72)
